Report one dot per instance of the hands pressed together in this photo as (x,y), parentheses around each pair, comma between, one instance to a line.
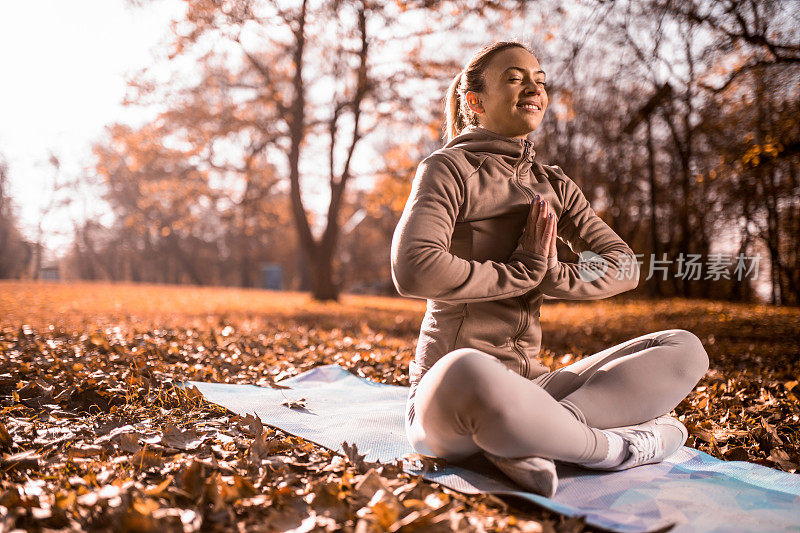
(539,234)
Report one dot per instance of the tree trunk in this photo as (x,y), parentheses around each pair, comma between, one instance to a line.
(655,286)
(320,254)
(740,288)
(319,259)
(323,286)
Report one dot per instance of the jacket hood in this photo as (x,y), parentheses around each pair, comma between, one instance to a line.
(512,151)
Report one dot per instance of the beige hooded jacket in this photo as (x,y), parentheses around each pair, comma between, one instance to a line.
(457,245)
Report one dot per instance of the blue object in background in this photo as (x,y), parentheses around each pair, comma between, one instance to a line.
(272,276)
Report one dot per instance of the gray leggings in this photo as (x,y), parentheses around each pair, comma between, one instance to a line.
(469,401)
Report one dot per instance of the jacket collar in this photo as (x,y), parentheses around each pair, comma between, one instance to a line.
(512,151)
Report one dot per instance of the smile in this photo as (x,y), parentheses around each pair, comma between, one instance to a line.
(529,107)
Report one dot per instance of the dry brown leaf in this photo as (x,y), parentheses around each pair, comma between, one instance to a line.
(146,458)
(782,458)
(158,491)
(295,404)
(181,439)
(20,461)
(5,438)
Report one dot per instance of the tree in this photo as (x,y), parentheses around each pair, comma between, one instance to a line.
(763,33)
(643,46)
(756,171)
(16,253)
(759,37)
(311,76)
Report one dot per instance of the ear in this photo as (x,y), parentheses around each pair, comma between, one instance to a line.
(474,102)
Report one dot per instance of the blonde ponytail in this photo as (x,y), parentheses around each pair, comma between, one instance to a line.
(453,112)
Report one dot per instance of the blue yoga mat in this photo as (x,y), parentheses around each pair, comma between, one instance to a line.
(690,489)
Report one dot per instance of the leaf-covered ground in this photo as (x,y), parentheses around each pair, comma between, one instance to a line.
(94,435)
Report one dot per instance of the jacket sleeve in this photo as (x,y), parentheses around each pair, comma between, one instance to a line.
(579,226)
(421,263)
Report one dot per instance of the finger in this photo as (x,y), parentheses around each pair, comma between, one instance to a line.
(541,221)
(534,212)
(548,239)
(554,234)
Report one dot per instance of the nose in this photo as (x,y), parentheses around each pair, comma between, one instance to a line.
(532,88)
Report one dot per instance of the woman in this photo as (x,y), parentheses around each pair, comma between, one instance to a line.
(477,240)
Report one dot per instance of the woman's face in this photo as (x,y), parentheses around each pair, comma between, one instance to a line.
(514,99)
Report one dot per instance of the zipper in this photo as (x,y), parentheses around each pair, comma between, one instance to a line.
(517,177)
(464,313)
(527,150)
(524,367)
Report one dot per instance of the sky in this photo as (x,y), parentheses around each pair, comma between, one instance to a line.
(65,84)
(64,67)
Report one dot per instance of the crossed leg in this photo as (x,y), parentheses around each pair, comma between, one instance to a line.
(469,401)
(632,382)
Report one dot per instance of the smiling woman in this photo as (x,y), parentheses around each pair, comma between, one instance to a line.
(510,94)
(477,240)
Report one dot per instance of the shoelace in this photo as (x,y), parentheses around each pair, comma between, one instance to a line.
(643,445)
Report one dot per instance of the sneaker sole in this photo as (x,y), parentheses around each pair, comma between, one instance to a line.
(534,474)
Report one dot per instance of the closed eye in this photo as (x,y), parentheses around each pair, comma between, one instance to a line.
(542,83)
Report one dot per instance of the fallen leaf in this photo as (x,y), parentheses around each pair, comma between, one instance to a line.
(356,459)
(145,458)
(782,458)
(129,442)
(181,439)
(85,450)
(5,438)
(20,461)
(158,491)
(294,404)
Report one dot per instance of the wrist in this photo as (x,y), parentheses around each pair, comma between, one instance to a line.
(534,261)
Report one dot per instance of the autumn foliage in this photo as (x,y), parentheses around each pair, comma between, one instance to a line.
(96,434)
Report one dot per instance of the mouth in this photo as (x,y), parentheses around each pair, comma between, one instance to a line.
(529,107)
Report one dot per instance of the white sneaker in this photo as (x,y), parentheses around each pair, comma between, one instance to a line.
(651,441)
(535,474)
